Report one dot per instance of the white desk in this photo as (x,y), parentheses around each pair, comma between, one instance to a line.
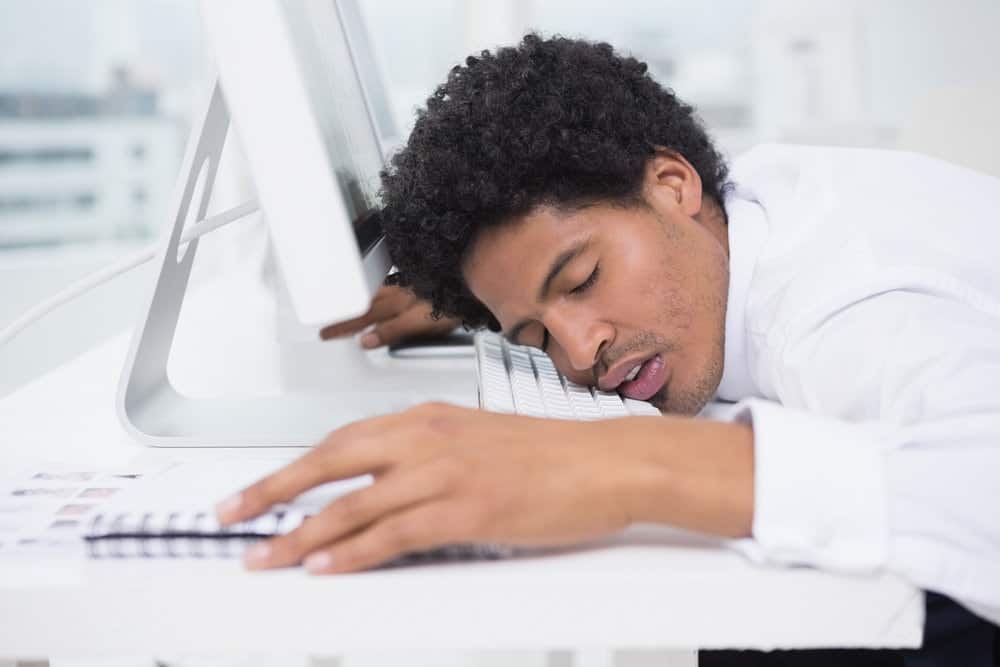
(651,588)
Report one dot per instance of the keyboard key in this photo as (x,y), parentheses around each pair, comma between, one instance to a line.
(641,408)
(610,404)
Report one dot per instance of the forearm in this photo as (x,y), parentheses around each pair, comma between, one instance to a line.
(691,473)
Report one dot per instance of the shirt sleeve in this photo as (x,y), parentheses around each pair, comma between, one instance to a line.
(904,474)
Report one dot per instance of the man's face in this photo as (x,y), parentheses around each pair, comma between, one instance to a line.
(608,290)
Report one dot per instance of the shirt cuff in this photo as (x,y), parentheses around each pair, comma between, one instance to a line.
(820,494)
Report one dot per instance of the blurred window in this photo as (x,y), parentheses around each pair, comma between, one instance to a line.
(96,100)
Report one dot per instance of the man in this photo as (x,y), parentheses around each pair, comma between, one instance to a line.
(847,300)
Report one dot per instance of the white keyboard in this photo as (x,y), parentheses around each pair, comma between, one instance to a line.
(523,380)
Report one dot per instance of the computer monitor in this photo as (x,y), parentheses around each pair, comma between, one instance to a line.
(300,109)
(289,88)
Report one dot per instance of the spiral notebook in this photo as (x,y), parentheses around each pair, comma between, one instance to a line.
(176,534)
(171,517)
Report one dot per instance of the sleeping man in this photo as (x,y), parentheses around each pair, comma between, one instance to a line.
(845,302)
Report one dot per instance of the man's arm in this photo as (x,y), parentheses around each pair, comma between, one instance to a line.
(904,473)
(445,474)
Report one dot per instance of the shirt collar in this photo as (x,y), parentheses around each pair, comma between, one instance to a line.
(747,229)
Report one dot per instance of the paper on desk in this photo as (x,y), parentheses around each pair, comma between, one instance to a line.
(43,505)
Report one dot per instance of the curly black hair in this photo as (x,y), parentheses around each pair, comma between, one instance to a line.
(557,122)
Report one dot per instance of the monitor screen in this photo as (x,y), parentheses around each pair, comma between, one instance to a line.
(365,62)
(338,99)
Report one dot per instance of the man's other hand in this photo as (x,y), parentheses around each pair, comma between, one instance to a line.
(395,314)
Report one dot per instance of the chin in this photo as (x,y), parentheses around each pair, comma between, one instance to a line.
(679,404)
(678,398)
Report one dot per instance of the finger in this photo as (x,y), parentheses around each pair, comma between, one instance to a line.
(377,312)
(388,302)
(346,515)
(416,321)
(421,527)
(347,452)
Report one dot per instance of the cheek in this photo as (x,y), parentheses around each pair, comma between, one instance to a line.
(647,299)
(646,274)
(674,289)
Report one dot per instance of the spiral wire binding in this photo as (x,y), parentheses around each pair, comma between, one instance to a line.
(199,535)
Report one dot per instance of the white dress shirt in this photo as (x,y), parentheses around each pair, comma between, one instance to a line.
(863,344)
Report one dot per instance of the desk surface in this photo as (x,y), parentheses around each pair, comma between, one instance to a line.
(649,588)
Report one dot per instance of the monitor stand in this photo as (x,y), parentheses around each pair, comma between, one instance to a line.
(326,385)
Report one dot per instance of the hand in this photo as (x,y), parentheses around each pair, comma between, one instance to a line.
(397,314)
(445,474)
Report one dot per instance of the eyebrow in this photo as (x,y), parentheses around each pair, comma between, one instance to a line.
(558,264)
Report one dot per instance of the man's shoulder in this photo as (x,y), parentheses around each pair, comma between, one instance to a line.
(845,225)
(769,160)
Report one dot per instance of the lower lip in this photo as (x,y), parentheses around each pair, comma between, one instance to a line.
(652,376)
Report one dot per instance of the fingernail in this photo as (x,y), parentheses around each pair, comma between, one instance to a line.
(370,340)
(229,505)
(257,555)
(318,562)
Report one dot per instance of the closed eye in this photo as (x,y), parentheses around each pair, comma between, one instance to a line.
(588,283)
(579,289)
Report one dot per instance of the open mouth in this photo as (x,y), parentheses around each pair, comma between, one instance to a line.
(645,379)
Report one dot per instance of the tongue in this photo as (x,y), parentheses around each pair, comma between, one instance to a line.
(647,383)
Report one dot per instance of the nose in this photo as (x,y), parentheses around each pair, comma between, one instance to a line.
(582,339)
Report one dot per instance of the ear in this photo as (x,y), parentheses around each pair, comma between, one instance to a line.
(672,182)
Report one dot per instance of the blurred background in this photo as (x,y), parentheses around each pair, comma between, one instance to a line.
(97,99)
